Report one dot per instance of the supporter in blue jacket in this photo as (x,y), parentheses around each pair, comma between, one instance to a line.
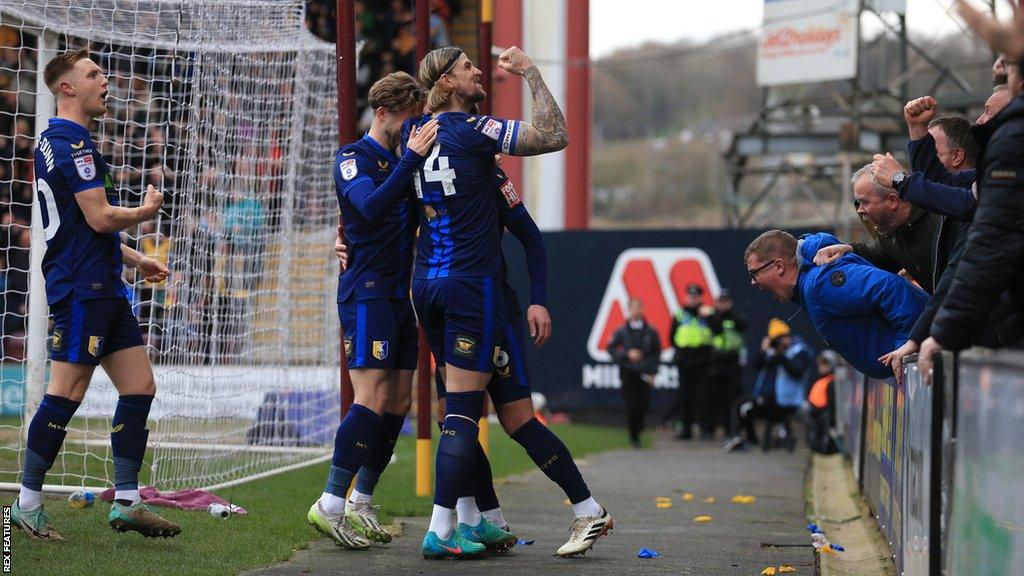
(860,311)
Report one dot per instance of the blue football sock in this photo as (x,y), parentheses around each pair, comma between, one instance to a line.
(46,433)
(380,452)
(351,444)
(128,436)
(483,482)
(553,458)
(456,452)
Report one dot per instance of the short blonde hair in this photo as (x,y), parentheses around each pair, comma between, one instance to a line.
(772,244)
(61,65)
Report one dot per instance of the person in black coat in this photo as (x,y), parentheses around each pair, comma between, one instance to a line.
(993,258)
(636,348)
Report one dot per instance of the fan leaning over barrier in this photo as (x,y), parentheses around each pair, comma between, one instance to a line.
(860,311)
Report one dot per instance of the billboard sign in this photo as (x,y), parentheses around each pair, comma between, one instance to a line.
(807,41)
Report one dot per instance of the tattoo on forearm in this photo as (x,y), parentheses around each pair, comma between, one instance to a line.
(546,131)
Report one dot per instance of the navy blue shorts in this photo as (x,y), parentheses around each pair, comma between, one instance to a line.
(511,379)
(462,320)
(379,333)
(85,331)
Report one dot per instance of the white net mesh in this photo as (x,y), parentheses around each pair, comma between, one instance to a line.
(230,108)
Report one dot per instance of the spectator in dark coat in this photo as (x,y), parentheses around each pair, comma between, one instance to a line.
(636,348)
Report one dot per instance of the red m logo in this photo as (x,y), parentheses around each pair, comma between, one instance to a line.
(658,278)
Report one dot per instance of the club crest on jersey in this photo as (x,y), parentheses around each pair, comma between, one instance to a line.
(380,349)
(57,340)
(349,348)
(465,346)
(382,165)
(508,190)
(348,169)
(95,345)
(86,167)
(492,129)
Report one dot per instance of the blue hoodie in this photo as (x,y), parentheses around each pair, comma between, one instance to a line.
(860,311)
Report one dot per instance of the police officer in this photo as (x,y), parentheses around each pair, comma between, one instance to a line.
(691,340)
(728,356)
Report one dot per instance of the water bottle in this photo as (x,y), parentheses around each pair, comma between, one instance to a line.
(219,510)
(81,499)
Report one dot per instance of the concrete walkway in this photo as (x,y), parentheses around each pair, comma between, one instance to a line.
(741,539)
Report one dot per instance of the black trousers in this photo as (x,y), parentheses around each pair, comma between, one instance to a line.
(693,398)
(748,410)
(727,386)
(637,395)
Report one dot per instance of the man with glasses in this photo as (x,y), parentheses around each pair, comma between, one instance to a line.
(860,311)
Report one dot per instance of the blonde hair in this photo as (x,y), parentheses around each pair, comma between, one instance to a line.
(396,92)
(61,65)
(772,244)
(435,64)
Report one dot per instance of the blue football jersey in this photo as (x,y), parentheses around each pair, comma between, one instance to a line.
(380,253)
(78,259)
(460,235)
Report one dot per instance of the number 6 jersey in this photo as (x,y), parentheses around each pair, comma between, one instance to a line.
(78,259)
(459,231)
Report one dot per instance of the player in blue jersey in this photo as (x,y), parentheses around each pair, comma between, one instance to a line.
(93,323)
(457,278)
(374,193)
(477,508)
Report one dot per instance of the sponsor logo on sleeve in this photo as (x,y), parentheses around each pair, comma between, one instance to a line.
(380,349)
(349,169)
(86,167)
(506,142)
(508,190)
(492,129)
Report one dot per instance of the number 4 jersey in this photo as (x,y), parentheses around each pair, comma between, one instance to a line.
(459,231)
(78,259)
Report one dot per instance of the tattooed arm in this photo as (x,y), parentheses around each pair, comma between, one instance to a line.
(546,132)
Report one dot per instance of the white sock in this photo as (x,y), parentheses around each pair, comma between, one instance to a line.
(29,499)
(588,507)
(130,495)
(441,522)
(495,517)
(466,511)
(333,505)
(358,497)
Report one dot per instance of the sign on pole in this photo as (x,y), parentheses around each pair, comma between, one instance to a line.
(807,41)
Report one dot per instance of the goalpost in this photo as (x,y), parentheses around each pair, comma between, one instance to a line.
(229,106)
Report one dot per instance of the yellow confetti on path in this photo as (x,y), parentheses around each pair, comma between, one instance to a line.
(664,504)
(709,500)
(742,499)
(786,569)
(687,497)
(662,499)
(769,571)
(702,519)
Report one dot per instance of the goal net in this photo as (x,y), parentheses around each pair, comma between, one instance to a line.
(229,106)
